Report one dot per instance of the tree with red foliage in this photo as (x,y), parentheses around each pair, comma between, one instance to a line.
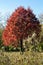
(21,24)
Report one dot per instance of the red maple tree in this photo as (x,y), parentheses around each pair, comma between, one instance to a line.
(20,24)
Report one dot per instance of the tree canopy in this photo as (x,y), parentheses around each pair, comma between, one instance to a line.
(21,24)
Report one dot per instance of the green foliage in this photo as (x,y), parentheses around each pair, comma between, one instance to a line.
(1,38)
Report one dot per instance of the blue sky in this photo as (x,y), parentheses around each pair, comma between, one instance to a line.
(11,5)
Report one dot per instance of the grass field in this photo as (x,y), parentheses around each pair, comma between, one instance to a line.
(18,58)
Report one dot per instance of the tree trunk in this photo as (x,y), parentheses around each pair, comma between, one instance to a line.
(21,45)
